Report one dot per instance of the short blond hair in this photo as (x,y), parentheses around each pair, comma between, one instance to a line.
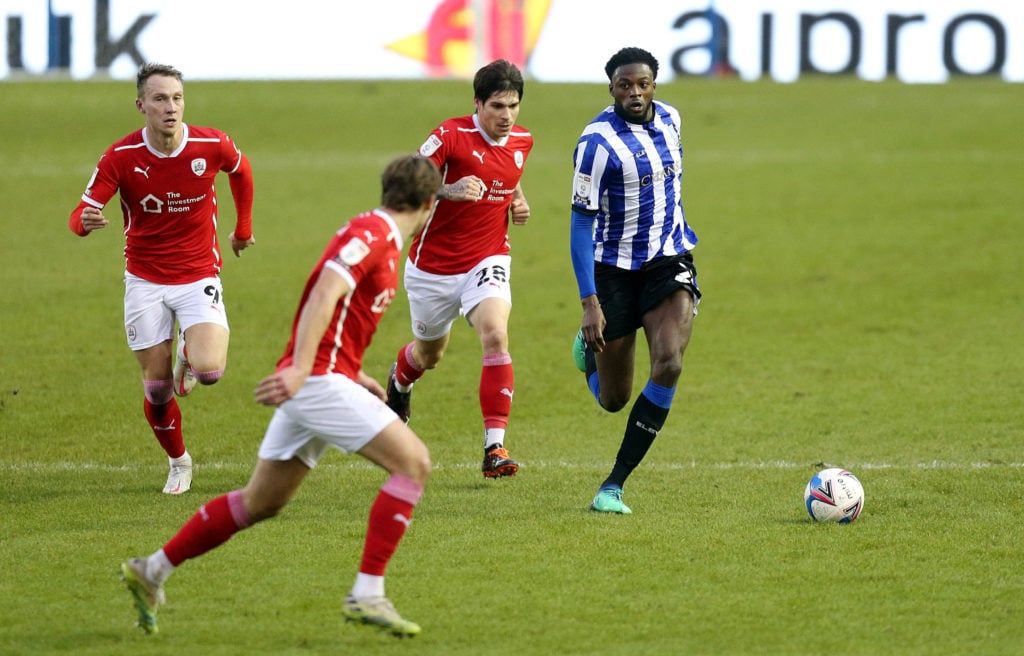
(150,69)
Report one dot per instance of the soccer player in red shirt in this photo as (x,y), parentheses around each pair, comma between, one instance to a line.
(165,174)
(323,400)
(460,264)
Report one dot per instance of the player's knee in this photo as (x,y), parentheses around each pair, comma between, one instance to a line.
(494,341)
(429,359)
(208,377)
(422,469)
(416,465)
(159,392)
(265,510)
(666,370)
(419,466)
(613,402)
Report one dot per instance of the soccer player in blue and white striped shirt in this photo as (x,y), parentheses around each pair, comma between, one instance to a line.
(631,248)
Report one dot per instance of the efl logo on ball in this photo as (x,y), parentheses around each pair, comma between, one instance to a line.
(834,495)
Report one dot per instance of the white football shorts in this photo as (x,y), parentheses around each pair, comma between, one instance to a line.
(331,410)
(436,301)
(150,309)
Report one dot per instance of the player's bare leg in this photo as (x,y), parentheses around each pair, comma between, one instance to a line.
(201,357)
(667,328)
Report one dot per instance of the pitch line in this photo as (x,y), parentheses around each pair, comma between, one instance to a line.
(653,465)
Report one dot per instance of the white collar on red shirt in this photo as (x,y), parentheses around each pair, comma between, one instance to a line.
(181,146)
(396,234)
(487,137)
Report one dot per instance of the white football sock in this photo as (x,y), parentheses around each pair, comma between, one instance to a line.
(158,568)
(368,585)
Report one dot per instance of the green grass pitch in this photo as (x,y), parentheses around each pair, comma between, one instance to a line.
(861,259)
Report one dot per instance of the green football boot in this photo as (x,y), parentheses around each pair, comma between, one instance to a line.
(609,500)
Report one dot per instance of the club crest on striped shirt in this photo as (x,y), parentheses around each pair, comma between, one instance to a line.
(583,185)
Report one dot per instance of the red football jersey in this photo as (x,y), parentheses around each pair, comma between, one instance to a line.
(461,233)
(169,202)
(365,252)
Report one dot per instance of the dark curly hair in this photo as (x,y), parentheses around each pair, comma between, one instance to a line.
(631,56)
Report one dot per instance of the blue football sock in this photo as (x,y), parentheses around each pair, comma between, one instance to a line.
(659,396)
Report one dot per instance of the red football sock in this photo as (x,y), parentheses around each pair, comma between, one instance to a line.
(211,526)
(407,372)
(390,516)
(165,420)
(496,389)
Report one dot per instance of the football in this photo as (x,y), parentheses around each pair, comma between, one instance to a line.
(834,495)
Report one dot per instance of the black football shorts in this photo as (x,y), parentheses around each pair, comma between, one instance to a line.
(626,296)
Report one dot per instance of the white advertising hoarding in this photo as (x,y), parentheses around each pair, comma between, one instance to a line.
(552,40)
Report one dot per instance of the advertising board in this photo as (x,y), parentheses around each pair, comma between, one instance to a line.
(552,40)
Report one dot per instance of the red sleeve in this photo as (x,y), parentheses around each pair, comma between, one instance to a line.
(440,143)
(75,221)
(242,191)
(101,188)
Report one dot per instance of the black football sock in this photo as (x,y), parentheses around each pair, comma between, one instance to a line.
(645,420)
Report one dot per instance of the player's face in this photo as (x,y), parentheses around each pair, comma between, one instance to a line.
(632,87)
(498,113)
(163,103)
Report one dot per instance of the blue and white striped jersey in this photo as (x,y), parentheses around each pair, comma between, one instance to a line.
(628,177)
